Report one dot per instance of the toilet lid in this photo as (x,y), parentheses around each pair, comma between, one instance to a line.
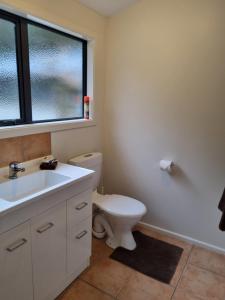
(119,205)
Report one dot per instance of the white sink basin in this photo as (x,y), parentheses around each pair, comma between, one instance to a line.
(28,185)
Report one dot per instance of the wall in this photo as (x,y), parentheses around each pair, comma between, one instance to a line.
(77,18)
(165,99)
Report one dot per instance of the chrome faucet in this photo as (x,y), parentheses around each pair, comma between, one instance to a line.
(14,169)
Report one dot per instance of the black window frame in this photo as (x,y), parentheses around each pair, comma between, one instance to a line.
(23,69)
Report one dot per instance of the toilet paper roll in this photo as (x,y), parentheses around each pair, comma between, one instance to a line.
(166,165)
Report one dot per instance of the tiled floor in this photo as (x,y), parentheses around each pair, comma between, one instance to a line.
(200,275)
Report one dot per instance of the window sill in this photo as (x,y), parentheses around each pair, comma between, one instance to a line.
(13,131)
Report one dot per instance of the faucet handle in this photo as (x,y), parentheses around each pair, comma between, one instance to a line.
(14,164)
(14,169)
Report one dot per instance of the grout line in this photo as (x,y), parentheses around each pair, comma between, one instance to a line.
(210,271)
(123,286)
(183,271)
(104,292)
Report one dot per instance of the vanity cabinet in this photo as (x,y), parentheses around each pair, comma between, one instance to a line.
(49,251)
(15,264)
(49,247)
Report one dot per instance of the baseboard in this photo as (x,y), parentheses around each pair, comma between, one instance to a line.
(183,238)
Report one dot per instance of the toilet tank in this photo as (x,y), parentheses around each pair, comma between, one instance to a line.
(92,161)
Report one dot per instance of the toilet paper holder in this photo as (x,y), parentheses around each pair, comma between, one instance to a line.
(166,165)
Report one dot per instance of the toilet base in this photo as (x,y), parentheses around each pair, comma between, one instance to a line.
(125,240)
(122,232)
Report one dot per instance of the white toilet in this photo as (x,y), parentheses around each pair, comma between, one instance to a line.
(121,212)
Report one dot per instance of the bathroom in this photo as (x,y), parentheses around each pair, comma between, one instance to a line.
(153,71)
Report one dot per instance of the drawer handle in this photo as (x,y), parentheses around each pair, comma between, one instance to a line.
(81,205)
(45,227)
(82,234)
(16,245)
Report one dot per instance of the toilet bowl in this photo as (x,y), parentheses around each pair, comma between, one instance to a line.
(121,212)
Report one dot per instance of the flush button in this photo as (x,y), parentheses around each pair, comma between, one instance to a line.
(88,155)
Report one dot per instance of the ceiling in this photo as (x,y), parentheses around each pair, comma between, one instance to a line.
(107,7)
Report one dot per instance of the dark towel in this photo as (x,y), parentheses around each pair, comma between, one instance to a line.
(221,206)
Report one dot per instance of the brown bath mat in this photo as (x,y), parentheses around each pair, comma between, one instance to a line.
(151,257)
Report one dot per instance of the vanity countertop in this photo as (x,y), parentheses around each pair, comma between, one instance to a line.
(35,184)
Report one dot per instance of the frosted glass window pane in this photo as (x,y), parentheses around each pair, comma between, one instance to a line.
(56,70)
(9,93)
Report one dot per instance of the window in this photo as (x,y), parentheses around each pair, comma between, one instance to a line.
(43,73)
(9,83)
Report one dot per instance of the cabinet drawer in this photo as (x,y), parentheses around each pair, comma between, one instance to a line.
(79,244)
(79,207)
(15,264)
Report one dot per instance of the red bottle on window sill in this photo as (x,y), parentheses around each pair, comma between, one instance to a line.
(86,107)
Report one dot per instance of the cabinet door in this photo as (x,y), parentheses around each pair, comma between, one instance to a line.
(15,264)
(49,251)
(79,244)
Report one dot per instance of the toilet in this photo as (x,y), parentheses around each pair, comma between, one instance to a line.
(118,214)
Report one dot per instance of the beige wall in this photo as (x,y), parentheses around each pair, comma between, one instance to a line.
(77,18)
(165,98)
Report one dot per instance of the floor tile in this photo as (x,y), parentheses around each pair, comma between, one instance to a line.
(185,255)
(108,275)
(201,279)
(208,260)
(80,290)
(200,284)
(186,295)
(141,287)
(99,250)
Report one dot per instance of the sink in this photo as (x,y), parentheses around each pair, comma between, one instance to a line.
(28,185)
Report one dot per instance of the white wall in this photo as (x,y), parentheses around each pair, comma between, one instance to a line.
(77,18)
(165,98)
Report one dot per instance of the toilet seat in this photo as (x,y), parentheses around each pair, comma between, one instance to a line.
(118,205)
